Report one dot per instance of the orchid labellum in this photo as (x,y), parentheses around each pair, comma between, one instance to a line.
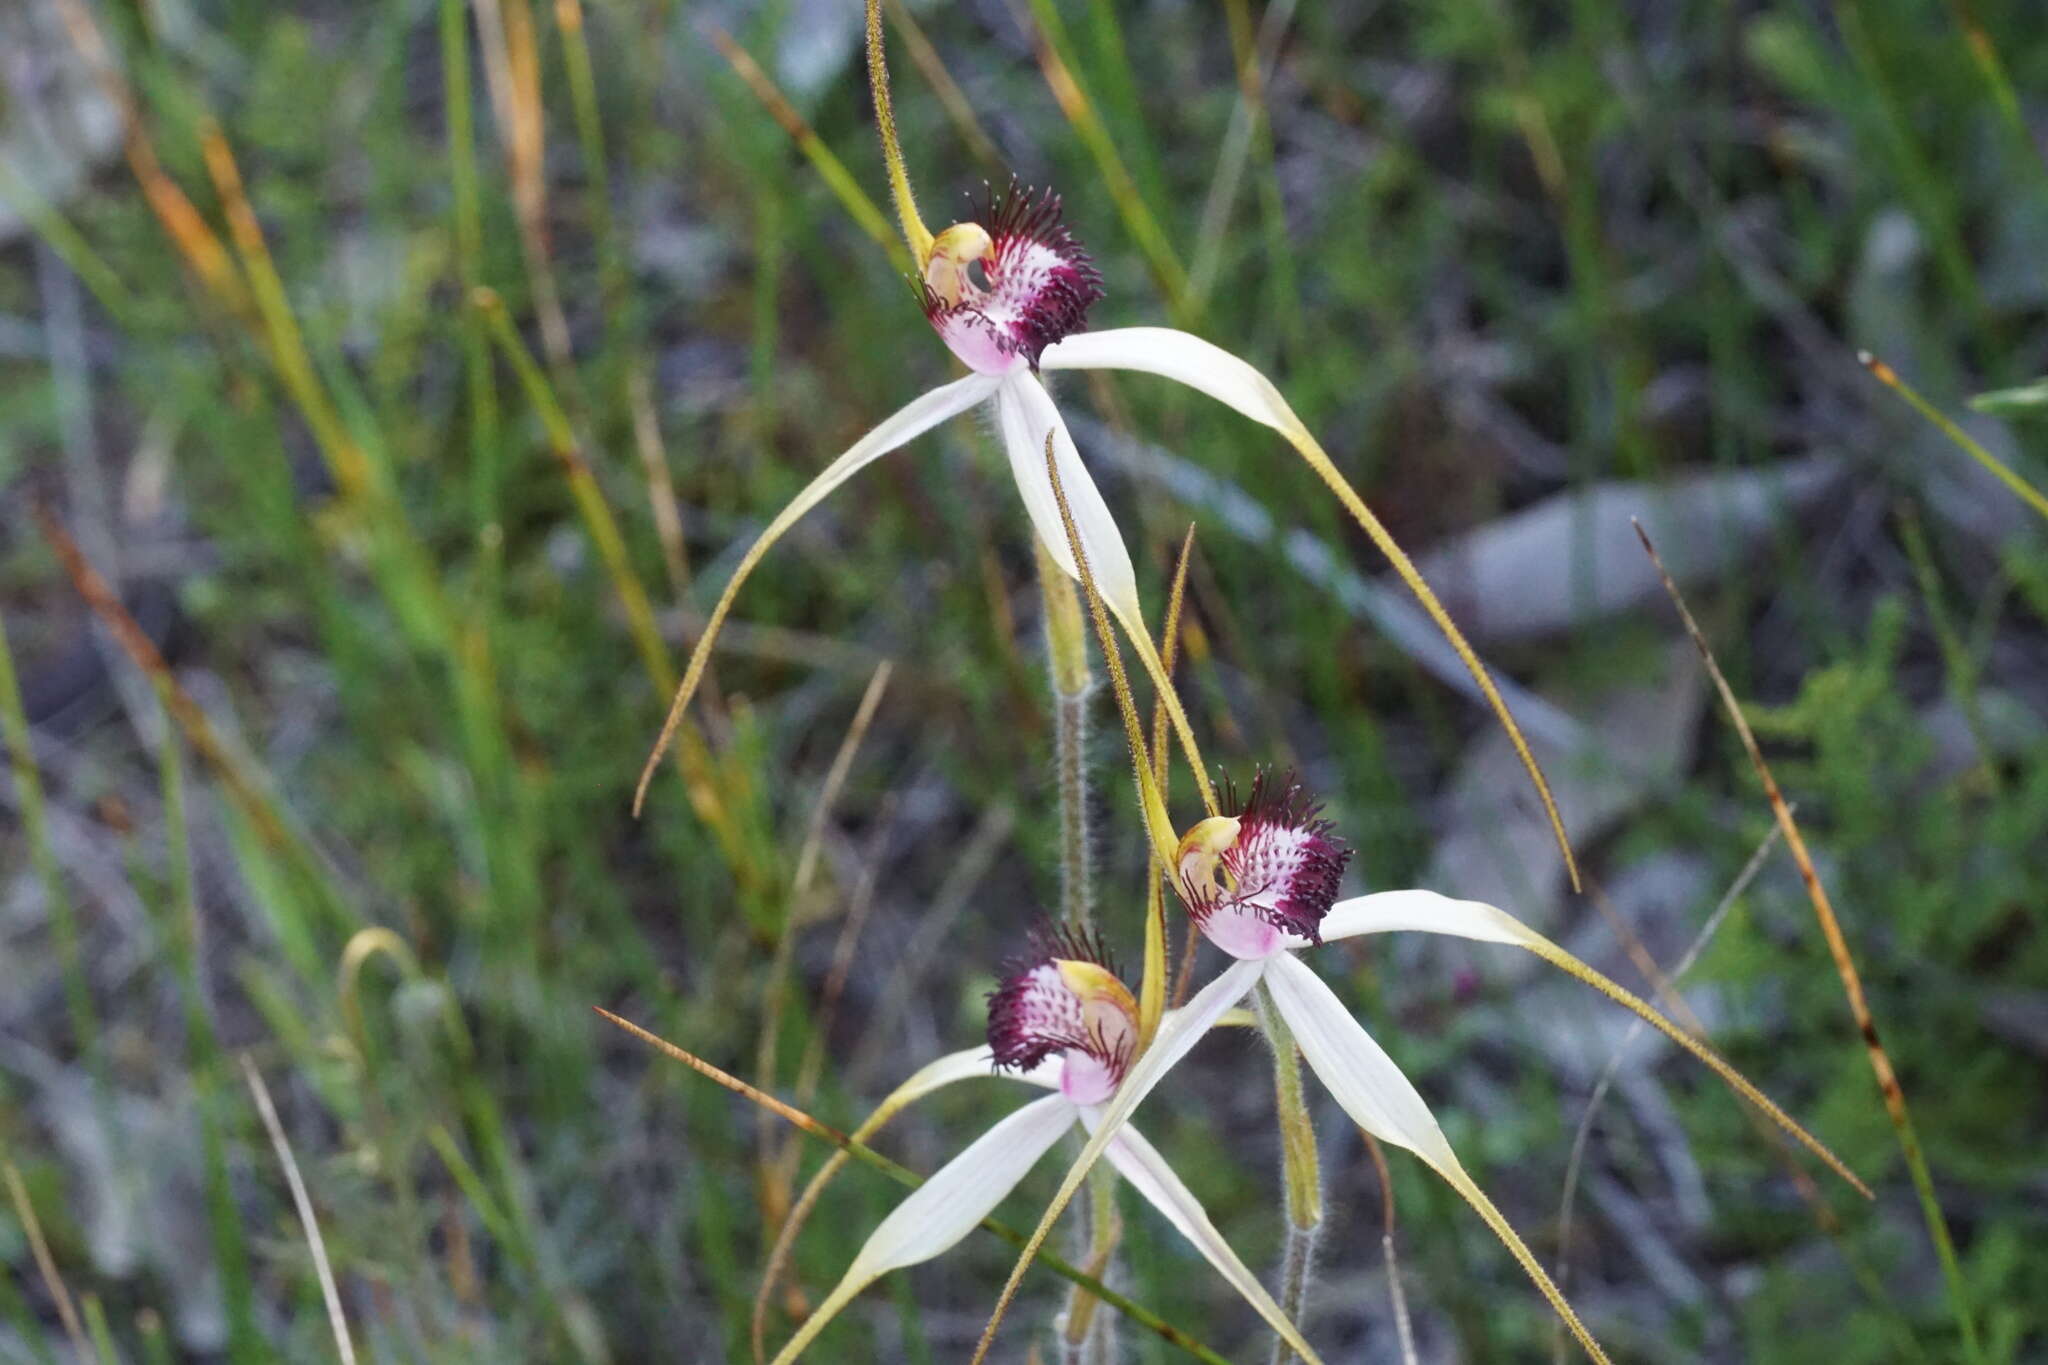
(1009,294)
(1062,1019)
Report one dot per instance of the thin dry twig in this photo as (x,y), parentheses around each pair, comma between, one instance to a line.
(774,1191)
(1665,985)
(46,1264)
(1845,966)
(143,653)
(1403,1329)
(303,1202)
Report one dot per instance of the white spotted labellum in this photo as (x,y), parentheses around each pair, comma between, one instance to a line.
(1062,1019)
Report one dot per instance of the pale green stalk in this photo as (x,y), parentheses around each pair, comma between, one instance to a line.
(1970,445)
(1300,1170)
(1066,652)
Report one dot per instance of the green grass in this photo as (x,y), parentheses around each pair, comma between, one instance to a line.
(1490,252)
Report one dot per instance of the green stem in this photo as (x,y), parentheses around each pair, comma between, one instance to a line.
(28,796)
(1067,666)
(1300,1169)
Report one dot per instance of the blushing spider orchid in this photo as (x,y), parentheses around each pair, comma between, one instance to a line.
(1063,1019)
(1009,296)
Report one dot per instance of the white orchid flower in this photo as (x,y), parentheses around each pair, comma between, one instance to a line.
(1009,294)
(1064,1020)
(1262,885)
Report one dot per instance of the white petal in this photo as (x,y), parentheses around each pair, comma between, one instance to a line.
(904,425)
(1381,1100)
(898,429)
(1357,1070)
(1434,914)
(1176,355)
(1221,375)
(946,1207)
(965,1066)
(958,1066)
(1139,1162)
(1426,911)
(1026,412)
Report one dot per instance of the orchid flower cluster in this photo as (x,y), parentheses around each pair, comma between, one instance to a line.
(1259,878)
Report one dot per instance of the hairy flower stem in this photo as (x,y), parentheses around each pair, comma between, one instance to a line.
(1086,1336)
(1299,1168)
(1066,648)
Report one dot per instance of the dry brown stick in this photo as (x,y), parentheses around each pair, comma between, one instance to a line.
(143,653)
(200,246)
(774,1191)
(46,1264)
(1845,966)
(330,1293)
(1402,1327)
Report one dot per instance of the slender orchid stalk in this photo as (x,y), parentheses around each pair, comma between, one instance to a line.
(1262,884)
(1009,294)
(1062,1019)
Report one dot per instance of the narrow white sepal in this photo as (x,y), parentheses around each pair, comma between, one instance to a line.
(1025,412)
(1354,1068)
(966,1066)
(899,428)
(1425,912)
(945,1208)
(1139,1162)
(1180,356)
(960,1194)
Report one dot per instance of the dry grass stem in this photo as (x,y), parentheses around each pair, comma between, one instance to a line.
(1845,966)
(46,1264)
(303,1202)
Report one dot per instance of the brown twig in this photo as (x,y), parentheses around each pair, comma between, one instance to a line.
(143,653)
(1403,1329)
(46,1264)
(1845,966)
